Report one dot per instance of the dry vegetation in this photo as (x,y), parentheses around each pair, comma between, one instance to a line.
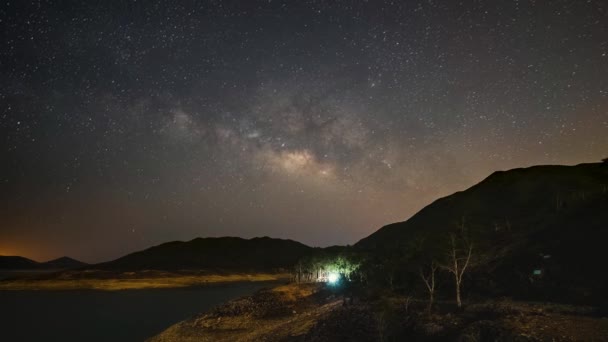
(131,280)
(507,320)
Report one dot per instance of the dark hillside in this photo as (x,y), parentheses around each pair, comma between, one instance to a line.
(553,219)
(21,263)
(64,263)
(17,263)
(214,254)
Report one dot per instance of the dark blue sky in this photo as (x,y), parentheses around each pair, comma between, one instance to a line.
(125,124)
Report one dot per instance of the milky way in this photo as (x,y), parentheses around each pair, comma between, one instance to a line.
(124,124)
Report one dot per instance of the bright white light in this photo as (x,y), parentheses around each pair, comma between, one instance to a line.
(333,278)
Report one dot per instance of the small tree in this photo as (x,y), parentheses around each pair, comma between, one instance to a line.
(392,267)
(457,263)
(429,281)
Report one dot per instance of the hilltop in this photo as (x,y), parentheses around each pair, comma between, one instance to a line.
(21,263)
(65,263)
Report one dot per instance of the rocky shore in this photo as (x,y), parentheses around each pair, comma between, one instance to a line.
(314,312)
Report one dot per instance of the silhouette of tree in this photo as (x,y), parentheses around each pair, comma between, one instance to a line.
(457,263)
(429,281)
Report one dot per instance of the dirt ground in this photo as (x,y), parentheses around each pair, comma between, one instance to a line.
(313,312)
(283,313)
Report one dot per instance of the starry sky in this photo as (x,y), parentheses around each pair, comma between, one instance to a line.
(125,124)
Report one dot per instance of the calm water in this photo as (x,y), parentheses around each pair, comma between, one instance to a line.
(87,315)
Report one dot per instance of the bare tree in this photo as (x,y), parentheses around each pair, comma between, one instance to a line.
(429,281)
(390,276)
(299,272)
(558,202)
(408,299)
(458,261)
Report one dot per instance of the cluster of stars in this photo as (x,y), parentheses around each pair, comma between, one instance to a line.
(313,120)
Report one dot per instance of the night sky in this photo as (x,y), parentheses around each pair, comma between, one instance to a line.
(125,124)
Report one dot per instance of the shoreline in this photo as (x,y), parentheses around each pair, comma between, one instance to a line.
(136,283)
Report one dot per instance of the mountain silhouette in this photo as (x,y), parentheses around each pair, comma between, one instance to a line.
(64,263)
(21,263)
(214,254)
(539,225)
(17,263)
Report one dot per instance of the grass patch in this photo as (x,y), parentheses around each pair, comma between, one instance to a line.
(175,281)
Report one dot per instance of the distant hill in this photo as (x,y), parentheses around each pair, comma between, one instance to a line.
(21,263)
(214,254)
(17,263)
(548,218)
(64,263)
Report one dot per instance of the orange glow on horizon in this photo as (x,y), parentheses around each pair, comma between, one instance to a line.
(22,252)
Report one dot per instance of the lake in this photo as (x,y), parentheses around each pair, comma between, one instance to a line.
(89,315)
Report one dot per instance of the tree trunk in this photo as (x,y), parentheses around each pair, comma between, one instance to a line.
(299,273)
(458,301)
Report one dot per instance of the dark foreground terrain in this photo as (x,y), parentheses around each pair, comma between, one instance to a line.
(316,312)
